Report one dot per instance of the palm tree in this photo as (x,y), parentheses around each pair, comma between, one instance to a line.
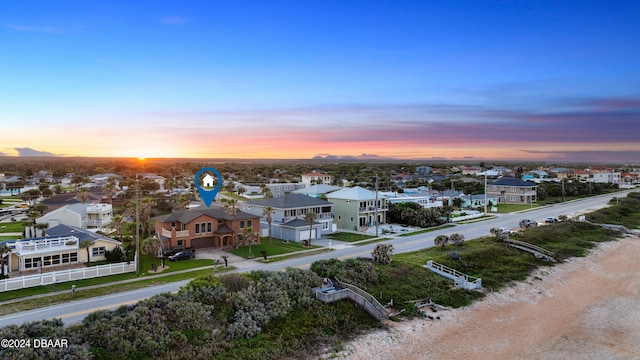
(42,227)
(4,249)
(267,211)
(248,237)
(231,206)
(118,224)
(82,194)
(86,244)
(152,246)
(310,218)
(109,189)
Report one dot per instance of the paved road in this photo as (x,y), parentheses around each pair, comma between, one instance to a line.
(75,311)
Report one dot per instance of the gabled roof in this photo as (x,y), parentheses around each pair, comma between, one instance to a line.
(81,234)
(511,181)
(290,201)
(296,223)
(216,212)
(354,193)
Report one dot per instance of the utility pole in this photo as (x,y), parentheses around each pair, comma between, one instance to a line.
(137,228)
(376,204)
(485,193)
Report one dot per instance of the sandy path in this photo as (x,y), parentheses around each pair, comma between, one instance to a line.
(585,308)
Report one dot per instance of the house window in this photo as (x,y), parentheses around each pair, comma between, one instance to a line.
(98,251)
(70,258)
(180,243)
(241,224)
(513,189)
(325,225)
(31,263)
(351,219)
(208,227)
(512,198)
(197,228)
(173,224)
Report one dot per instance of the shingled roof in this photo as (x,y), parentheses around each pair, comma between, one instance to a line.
(290,201)
(511,181)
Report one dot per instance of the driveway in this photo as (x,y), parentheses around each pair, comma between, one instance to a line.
(233,260)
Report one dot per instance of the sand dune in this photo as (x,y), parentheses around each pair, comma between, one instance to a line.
(584,308)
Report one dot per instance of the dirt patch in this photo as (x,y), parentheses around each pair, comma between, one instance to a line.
(585,308)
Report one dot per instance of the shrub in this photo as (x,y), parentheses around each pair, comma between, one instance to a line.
(382,254)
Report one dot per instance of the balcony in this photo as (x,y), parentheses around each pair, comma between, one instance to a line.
(371,208)
(40,246)
(180,233)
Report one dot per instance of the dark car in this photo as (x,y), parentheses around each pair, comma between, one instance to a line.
(183,255)
(549,220)
(176,250)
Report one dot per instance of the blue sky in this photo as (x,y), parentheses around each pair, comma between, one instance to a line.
(544,80)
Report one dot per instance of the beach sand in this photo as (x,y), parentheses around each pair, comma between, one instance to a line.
(584,308)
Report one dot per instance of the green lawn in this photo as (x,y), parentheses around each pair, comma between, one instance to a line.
(145,268)
(509,208)
(279,247)
(349,237)
(14,226)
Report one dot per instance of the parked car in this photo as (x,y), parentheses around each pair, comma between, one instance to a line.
(527,223)
(177,249)
(549,220)
(183,255)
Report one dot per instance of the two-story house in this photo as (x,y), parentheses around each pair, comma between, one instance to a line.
(510,190)
(206,227)
(316,177)
(84,216)
(289,211)
(279,189)
(357,207)
(61,246)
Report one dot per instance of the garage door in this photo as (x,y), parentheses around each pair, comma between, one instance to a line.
(304,235)
(202,243)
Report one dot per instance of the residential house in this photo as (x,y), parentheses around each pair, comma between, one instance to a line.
(424,199)
(357,207)
(287,219)
(316,177)
(84,216)
(103,179)
(478,201)
(60,247)
(424,170)
(59,200)
(317,191)
(606,177)
(279,189)
(510,190)
(206,227)
(470,170)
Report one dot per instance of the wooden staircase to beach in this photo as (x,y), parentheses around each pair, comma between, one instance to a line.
(538,252)
(460,280)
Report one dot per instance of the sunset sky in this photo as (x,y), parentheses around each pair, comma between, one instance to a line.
(498,80)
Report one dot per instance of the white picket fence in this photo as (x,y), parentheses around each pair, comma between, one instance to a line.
(53,277)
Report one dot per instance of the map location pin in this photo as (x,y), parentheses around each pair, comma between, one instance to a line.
(208,182)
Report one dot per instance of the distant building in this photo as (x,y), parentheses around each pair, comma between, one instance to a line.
(279,189)
(316,177)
